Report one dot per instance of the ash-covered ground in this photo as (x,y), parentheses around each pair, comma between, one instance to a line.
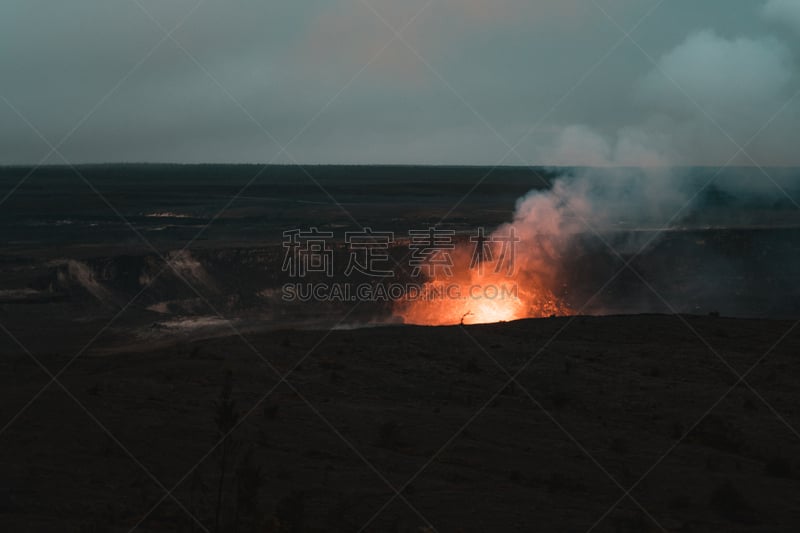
(597,407)
(136,337)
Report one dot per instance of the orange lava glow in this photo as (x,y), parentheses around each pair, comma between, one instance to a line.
(479,296)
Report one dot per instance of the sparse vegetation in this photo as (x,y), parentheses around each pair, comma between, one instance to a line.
(282,470)
(558,482)
(290,512)
(249,480)
(680,502)
(718,433)
(226,420)
(388,435)
(619,445)
(470,366)
(559,398)
(779,467)
(727,501)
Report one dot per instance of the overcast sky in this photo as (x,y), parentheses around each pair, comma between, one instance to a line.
(466,81)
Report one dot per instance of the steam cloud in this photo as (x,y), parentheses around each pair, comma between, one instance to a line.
(705,84)
(636,182)
(613,213)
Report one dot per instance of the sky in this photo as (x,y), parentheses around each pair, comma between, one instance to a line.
(470,82)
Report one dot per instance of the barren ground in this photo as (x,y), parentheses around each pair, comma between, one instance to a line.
(600,405)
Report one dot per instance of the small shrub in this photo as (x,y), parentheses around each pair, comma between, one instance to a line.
(226,419)
(271,411)
(718,433)
(779,467)
(619,445)
(470,366)
(559,399)
(98,525)
(249,480)
(558,482)
(680,502)
(728,502)
(291,509)
(387,435)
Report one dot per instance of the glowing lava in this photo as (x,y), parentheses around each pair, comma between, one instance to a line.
(479,295)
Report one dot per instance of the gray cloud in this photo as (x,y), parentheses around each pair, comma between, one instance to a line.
(698,103)
(510,62)
(724,76)
(783,11)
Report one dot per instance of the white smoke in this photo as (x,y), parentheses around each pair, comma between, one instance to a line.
(580,145)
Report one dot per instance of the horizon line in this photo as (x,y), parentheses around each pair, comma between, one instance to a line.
(418,165)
